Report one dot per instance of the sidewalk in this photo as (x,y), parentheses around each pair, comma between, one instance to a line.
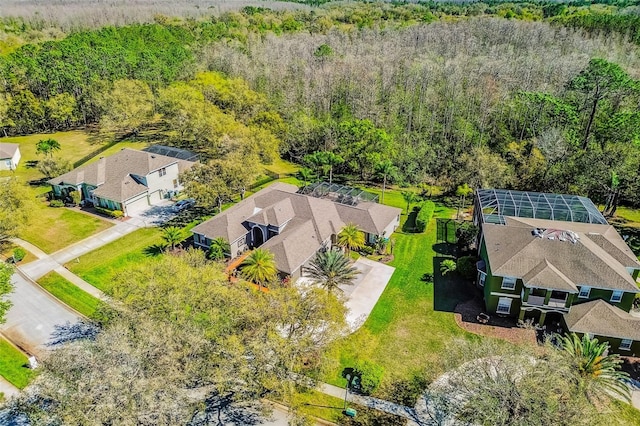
(8,389)
(368,401)
(70,276)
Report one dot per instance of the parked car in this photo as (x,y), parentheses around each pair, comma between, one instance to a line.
(184,204)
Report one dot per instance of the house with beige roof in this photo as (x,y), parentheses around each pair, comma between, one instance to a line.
(130,180)
(292,225)
(553,257)
(9,156)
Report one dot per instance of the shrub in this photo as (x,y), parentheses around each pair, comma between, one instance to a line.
(466,267)
(367,250)
(447,266)
(18,254)
(370,375)
(56,203)
(116,214)
(424,215)
(75,197)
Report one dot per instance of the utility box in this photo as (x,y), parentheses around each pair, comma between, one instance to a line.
(350,412)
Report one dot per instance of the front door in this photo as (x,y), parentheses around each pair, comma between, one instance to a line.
(257,238)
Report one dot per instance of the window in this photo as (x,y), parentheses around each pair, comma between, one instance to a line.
(508,283)
(584,292)
(482,278)
(162,172)
(625,344)
(616,296)
(504,305)
(175,183)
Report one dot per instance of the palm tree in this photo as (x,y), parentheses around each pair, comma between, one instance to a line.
(306,174)
(385,169)
(462,191)
(331,269)
(47,147)
(219,249)
(351,237)
(259,267)
(599,373)
(447,266)
(172,236)
(410,197)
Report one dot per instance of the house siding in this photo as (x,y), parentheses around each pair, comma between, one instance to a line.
(10,163)
(155,182)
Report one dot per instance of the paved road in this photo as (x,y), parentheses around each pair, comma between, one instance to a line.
(34,316)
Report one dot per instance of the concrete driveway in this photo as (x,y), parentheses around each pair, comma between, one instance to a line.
(35,316)
(366,289)
(154,216)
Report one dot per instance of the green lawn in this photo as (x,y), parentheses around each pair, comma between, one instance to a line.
(99,266)
(13,365)
(625,414)
(51,228)
(411,326)
(70,294)
(283,167)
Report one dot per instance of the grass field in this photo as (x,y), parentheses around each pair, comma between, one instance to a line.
(51,229)
(99,266)
(70,294)
(13,365)
(282,167)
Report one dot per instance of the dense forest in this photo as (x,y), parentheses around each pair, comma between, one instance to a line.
(544,100)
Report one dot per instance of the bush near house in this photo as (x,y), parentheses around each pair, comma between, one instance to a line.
(370,375)
(18,254)
(116,214)
(56,203)
(424,215)
(466,267)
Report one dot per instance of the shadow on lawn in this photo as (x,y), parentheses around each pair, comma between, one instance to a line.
(155,250)
(409,225)
(450,289)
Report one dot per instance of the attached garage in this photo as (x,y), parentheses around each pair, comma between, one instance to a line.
(155,197)
(136,204)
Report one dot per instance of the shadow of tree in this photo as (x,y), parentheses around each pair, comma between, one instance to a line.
(194,214)
(448,290)
(405,392)
(68,332)
(409,225)
(156,249)
(445,248)
(31,164)
(225,409)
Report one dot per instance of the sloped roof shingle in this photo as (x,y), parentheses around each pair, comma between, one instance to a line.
(599,318)
(8,150)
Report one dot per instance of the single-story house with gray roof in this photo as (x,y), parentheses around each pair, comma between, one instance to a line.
(129,180)
(9,156)
(293,226)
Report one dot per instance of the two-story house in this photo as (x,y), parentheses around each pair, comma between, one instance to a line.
(553,257)
(130,180)
(293,226)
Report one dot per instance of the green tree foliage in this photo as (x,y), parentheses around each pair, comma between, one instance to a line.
(127,106)
(52,167)
(351,237)
(448,266)
(6,271)
(60,111)
(173,236)
(424,215)
(15,208)
(409,197)
(47,147)
(599,373)
(385,170)
(259,267)
(363,146)
(332,269)
(219,249)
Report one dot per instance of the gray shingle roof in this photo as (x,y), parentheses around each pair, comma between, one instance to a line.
(594,260)
(113,174)
(602,319)
(8,150)
(308,221)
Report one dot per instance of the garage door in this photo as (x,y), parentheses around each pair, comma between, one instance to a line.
(137,205)
(155,197)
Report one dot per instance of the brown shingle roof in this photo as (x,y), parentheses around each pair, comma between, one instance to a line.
(513,250)
(113,174)
(602,319)
(545,275)
(8,150)
(308,221)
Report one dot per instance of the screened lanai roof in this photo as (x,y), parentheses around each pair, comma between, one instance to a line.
(339,193)
(498,203)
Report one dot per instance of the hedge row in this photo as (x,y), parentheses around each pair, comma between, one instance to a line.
(424,215)
(116,214)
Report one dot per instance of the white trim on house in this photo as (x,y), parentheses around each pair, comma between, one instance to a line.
(625,344)
(510,295)
(510,281)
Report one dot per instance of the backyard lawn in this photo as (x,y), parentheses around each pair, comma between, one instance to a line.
(99,266)
(69,294)
(405,334)
(13,365)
